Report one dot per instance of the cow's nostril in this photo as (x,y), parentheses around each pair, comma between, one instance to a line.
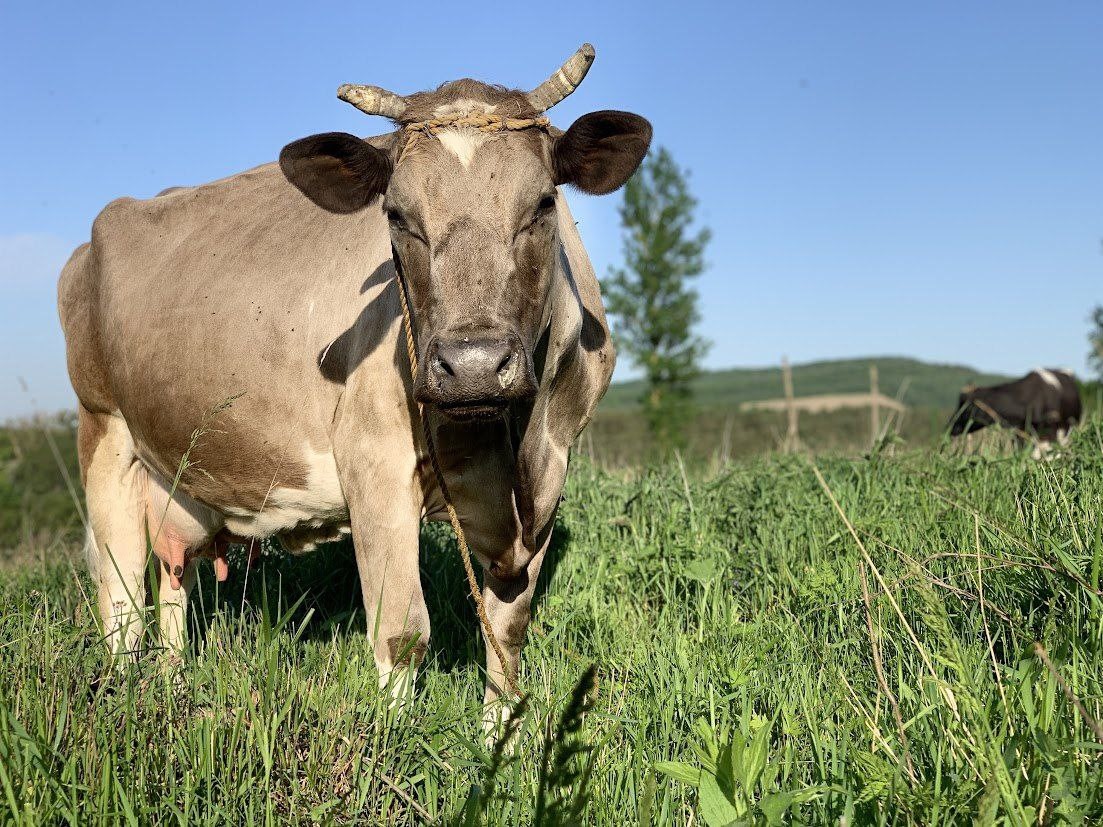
(504,364)
(444,367)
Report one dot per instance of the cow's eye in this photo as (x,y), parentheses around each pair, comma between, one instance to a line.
(399,223)
(543,207)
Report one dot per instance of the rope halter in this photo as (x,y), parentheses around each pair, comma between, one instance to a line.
(482,121)
(479,121)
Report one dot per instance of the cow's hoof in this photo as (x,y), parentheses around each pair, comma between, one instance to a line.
(398,683)
(496,718)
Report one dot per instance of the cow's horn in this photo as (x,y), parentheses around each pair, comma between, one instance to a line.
(373,100)
(564,81)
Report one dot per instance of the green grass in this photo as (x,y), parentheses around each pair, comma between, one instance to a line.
(36,505)
(619,438)
(750,652)
(928,385)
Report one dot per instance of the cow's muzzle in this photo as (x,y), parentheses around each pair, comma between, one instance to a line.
(967,419)
(471,378)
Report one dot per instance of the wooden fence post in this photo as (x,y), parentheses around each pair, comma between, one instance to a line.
(792,433)
(874,405)
(726,441)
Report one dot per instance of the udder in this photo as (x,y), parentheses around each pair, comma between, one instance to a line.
(181,529)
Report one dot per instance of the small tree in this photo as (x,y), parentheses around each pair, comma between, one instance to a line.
(653,305)
(1095,339)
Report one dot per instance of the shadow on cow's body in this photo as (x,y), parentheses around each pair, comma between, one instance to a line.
(339,358)
(238,354)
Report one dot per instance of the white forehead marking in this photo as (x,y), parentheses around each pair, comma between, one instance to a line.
(462,143)
(1048,378)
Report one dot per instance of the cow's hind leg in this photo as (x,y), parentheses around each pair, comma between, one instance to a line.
(172,608)
(179,527)
(113,484)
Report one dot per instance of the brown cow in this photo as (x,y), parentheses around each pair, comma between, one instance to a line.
(246,336)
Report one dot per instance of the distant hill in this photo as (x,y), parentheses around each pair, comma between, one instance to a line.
(929,385)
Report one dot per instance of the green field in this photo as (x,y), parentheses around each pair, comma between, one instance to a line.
(761,657)
(39,483)
(925,385)
(720,431)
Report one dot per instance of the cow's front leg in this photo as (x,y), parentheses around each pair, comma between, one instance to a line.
(509,609)
(386,516)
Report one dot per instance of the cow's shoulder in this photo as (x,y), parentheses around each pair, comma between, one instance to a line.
(113,216)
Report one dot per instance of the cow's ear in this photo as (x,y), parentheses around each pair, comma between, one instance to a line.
(337,171)
(601,151)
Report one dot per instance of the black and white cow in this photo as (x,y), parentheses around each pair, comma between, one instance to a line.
(1043,405)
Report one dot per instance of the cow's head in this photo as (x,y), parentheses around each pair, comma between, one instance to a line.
(969,415)
(468,186)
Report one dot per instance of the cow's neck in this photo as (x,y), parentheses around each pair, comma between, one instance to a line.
(479,466)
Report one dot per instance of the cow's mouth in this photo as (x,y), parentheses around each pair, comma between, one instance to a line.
(474,412)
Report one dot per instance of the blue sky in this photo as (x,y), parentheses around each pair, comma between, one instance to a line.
(922,179)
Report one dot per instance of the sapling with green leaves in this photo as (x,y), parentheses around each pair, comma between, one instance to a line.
(651,298)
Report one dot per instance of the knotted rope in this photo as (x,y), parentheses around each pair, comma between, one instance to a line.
(481,121)
(454,518)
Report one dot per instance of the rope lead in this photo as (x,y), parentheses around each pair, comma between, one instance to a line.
(454,518)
